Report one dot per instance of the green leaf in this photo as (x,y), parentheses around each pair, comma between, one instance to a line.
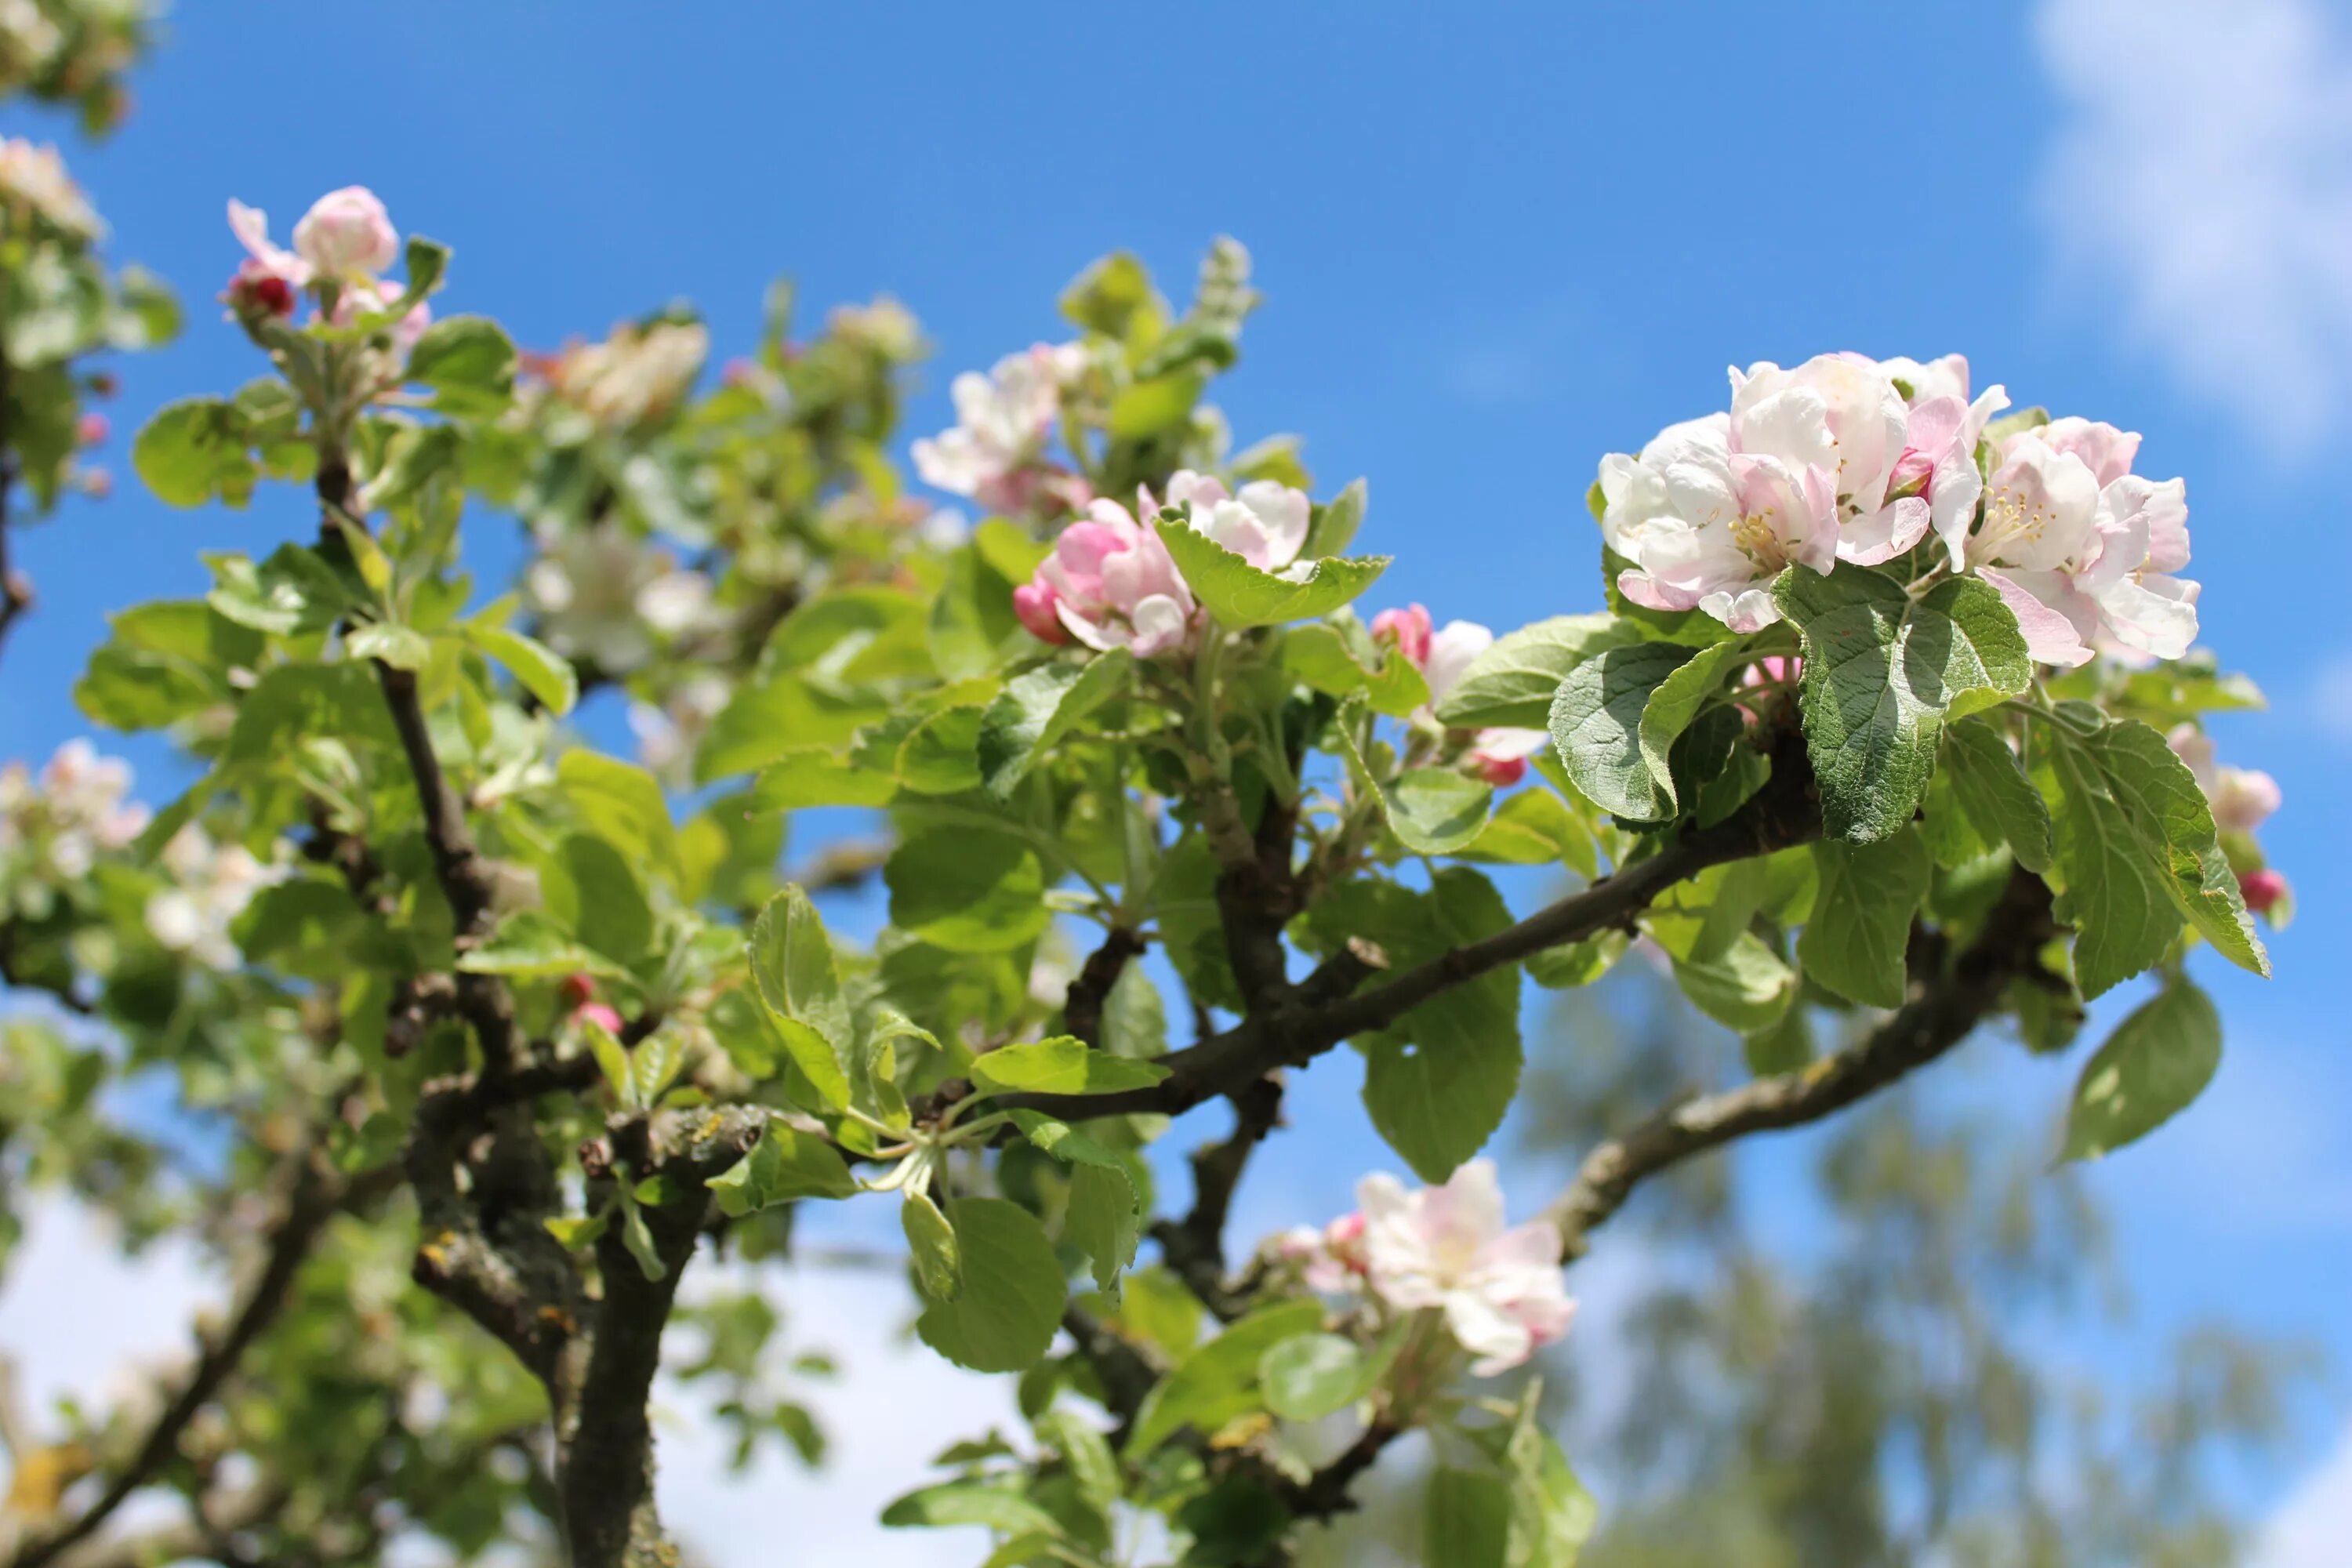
(992,1504)
(1747,989)
(1005,1318)
(1436,810)
(622,805)
(967,892)
(1596,726)
(1106,296)
(1861,917)
(941,754)
(1513,682)
(1218,1381)
(403,647)
(468,361)
(2137,851)
(1438,1080)
(193,450)
(1062,1065)
(1085,1451)
(639,1237)
(1468,1521)
(1551,1514)
(1319,656)
(793,969)
(1034,711)
(1239,595)
(1104,1220)
(591,888)
(296,701)
(1880,672)
(2157,1061)
(1333,525)
(528,945)
(1994,794)
(813,776)
(931,1243)
(784,1165)
(544,673)
(1534,827)
(1312,1376)
(1145,408)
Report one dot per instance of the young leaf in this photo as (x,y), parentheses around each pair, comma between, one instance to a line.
(528,945)
(622,805)
(967,892)
(1881,670)
(1239,595)
(1318,654)
(784,1164)
(1991,787)
(1037,710)
(2157,1061)
(592,889)
(1747,989)
(1437,811)
(1005,1316)
(1468,1521)
(1861,917)
(1104,1221)
(1512,683)
(1438,1080)
(1085,1451)
(792,968)
(1061,1066)
(192,450)
(931,1243)
(469,361)
(2137,847)
(1312,1376)
(544,673)
(1335,522)
(1596,726)
(1218,1381)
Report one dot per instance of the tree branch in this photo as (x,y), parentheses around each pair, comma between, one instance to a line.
(1942,1010)
(1299,1023)
(1194,1246)
(1082,1004)
(307,1199)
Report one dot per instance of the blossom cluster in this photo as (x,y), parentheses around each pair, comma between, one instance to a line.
(636,376)
(606,597)
(35,189)
(344,243)
(1498,754)
(1499,1289)
(1860,460)
(1110,581)
(995,452)
(56,824)
(211,884)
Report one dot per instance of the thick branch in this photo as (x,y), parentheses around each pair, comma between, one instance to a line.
(605,1437)
(1942,1010)
(1082,1004)
(1303,1021)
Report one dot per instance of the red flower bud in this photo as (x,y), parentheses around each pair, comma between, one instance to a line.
(578,989)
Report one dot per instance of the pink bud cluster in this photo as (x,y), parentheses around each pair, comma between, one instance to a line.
(1499,755)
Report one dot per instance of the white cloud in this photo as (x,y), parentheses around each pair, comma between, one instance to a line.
(2203,173)
(2331,697)
(2310,1528)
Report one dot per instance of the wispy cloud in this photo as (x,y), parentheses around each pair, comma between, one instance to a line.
(2203,174)
(2311,1527)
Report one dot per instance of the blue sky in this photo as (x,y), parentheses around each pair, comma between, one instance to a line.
(1496,241)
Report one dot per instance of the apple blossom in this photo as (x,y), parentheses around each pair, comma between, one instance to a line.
(211,885)
(2084,567)
(2242,799)
(1110,583)
(1446,1248)
(74,812)
(1838,423)
(1497,754)
(1709,531)
(635,375)
(347,234)
(1329,1261)
(33,179)
(1004,420)
(264,260)
(1265,524)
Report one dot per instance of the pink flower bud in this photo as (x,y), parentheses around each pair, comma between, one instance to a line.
(2262,890)
(346,234)
(1912,471)
(1501,771)
(97,483)
(1035,604)
(255,291)
(91,429)
(1409,630)
(600,1015)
